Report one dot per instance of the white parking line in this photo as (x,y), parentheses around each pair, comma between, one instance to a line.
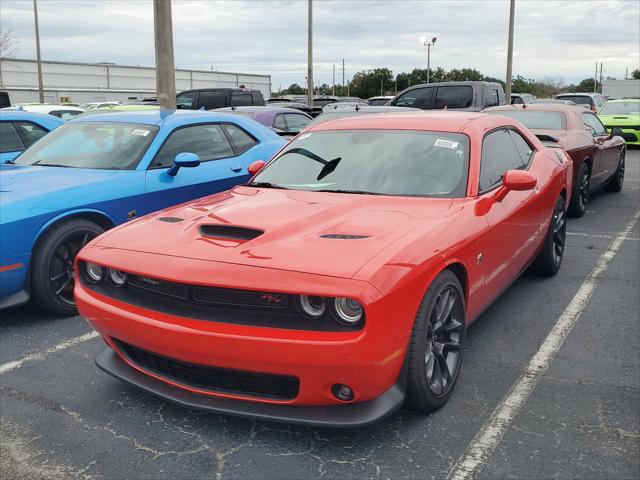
(489,436)
(42,354)
(599,235)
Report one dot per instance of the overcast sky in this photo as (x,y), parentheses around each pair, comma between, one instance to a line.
(560,39)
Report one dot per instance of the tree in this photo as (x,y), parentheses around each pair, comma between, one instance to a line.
(293,89)
(636,74)
(8,44)
(371,83)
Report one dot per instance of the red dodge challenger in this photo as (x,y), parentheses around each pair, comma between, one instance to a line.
(338,284)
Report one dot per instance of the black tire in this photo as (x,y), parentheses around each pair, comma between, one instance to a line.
(580,192)
(52,274)
(614,185)
(435,348)
(549,260)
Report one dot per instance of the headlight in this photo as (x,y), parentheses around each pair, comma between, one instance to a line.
(312,306)
(117,277)
(93,271)
(349,311)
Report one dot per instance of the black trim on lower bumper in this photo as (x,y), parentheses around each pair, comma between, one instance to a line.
(335,416)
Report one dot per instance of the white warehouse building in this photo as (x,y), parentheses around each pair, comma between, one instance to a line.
(95,82)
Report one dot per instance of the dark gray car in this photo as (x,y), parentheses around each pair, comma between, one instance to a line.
(470,96)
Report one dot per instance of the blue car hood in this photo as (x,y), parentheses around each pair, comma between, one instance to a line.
(29,191)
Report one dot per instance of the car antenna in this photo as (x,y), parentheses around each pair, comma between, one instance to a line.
(445,108)
(524,106)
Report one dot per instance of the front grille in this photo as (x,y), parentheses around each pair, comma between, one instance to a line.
(624,127)
(217,304)
(214,379)
(630,137)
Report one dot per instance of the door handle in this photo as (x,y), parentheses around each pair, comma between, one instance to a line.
(237,168)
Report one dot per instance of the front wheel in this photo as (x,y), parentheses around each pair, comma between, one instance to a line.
(435,348)
(549,259)
(615,184)
(52,273)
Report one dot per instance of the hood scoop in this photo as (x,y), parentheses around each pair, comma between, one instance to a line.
(339,236)
(170,219)
(230,232)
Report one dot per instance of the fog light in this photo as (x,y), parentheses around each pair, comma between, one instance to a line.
(312,306)
(342,392)
(117,277)
(94,272)
(349,310)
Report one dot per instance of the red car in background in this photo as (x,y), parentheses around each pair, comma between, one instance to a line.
(338,284)
(598,156)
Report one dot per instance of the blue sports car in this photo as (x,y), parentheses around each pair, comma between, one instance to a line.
(20,129)
(101,170)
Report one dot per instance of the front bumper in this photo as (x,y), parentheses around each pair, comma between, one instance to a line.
(630,135)
(335,416)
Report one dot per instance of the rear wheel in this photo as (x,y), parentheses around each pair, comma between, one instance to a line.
(615,184)
(52,273)
(580,193)
(435,348)
(549,259)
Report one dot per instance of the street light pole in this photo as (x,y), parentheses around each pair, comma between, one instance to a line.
(310,53)
(38,59)
(510,52)
(165,69)
(430,44)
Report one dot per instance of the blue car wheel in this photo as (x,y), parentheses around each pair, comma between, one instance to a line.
(52,272)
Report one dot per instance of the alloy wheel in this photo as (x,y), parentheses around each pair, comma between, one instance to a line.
(584,190)
(61,272)
(559,232)
(443,341)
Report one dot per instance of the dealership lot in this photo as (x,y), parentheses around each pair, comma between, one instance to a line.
(63,418)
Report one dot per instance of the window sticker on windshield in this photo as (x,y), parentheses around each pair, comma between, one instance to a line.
(140,132)
(445,144)
(304,136)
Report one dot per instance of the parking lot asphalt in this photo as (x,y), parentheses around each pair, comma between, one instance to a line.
(63,418)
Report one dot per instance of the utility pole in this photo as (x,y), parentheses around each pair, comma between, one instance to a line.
(512,8)
(343,72)
(427,44)
(38,58)
(333,89)
(381,87)
(310,53)
(600,77)
(165,69)
(595,80)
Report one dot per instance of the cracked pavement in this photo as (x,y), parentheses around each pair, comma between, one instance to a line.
(63,418)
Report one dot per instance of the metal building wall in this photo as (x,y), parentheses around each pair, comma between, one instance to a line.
(87,82)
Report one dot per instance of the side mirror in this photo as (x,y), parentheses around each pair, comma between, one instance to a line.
(256,166)
(516,180)
(616,131)
(184,159)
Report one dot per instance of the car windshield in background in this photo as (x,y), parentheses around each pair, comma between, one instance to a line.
(536,120)
(620,108)
(383,162)
(579,99)
(100,145)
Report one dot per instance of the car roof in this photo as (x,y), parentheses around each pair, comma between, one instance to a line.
(259,109)
(11,114)
(624,100)
(539,107)
(443,121)
(576,94)
(50,108)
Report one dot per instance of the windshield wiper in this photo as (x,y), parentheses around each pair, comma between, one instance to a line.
(267,185)
(50,165)
(359,192)
(10,162)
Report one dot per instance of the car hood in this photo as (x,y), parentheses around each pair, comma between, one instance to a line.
(323,233)
(620,120)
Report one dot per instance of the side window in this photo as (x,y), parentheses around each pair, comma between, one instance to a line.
(211,100)
(418,98)
(9,138)
(516,100)
(524,149)
(258,99)
(296,122)
(492,99)
(280,122)
(207,141)
(240,99)
(240,139)
(29,132)
(499,154)
(594,124)
(64,114)
(185,100)
(459,96)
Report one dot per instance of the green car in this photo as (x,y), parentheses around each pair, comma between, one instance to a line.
(623,113)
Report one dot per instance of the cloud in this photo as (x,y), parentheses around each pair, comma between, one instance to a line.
(552,38)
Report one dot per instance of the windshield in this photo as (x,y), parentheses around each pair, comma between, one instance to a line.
(384,162)
(101,145)
(620,108)
(536,120)
(579,99)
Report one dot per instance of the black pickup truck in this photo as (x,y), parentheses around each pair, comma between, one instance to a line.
(211,98)
(471,96)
